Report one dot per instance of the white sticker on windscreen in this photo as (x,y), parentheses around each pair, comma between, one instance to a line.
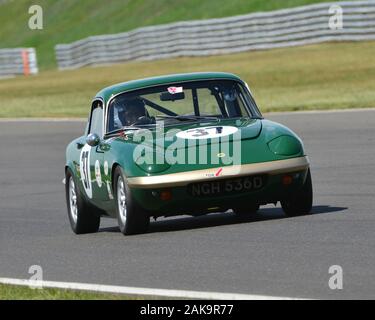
(174,90)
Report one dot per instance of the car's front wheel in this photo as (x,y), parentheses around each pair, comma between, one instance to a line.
(83,217)
(301,202)
(131,218)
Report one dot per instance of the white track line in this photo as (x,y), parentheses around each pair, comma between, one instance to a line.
(318,111)
(182,294)
(43,120)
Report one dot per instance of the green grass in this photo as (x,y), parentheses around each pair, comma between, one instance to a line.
(69,20)
(10,292)
(324,76)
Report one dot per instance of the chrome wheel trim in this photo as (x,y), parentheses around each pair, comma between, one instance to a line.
(121,200)
(73,200)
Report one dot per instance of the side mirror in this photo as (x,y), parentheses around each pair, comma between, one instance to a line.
(93,140)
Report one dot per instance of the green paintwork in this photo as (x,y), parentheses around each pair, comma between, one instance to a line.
(261,141)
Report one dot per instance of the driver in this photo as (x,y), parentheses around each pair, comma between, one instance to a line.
(132,111)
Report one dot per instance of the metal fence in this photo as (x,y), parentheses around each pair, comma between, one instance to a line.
(281,28)
(17,61)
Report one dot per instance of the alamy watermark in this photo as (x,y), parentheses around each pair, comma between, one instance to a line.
(336,20)
(207,145)
(36,279)
(36,18)
(336,281)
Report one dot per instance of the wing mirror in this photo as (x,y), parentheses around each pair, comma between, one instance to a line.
(93,140)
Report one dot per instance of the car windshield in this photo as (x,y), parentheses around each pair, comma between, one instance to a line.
(186,101)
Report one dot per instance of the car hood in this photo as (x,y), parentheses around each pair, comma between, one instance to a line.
(207,132)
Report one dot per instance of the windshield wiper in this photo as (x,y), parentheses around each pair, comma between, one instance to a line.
(187,117)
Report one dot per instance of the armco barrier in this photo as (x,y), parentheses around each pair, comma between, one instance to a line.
(281,28)
(18,61)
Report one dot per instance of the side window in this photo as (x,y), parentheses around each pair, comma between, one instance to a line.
(234,101)
(250,101)
(242,105)
(96,122)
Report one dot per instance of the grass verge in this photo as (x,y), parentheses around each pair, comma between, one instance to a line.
(322,76)
(10,292)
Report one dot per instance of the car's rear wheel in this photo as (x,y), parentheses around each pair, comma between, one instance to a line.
(132,219)
(301,202)
(83,217)
(246,211)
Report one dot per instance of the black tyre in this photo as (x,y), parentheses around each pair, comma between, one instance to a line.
(251,209)
(83,217)
(132,219)
(301,202)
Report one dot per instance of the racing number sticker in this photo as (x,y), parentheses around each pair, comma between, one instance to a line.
(200,133)
(85,170)
(207,132)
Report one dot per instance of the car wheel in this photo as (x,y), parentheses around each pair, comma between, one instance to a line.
(131,218)
(83,217)
(301,202)
(249,210)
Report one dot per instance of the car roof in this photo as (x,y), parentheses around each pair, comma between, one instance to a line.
(115,89)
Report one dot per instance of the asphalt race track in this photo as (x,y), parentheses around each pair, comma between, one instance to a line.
(267,254)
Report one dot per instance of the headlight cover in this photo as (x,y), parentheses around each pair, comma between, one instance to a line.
(285,146)
(153,167)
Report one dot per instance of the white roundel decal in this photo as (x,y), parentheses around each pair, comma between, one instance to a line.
(207,132)
(84,164)
(98,174)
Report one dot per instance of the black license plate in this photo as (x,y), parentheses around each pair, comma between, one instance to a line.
(219,187)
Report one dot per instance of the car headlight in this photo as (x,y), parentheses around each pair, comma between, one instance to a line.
(285,146)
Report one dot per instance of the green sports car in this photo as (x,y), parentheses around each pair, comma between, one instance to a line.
(181,144)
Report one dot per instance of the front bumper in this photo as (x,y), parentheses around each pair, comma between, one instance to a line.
(146,191)
(184,178)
